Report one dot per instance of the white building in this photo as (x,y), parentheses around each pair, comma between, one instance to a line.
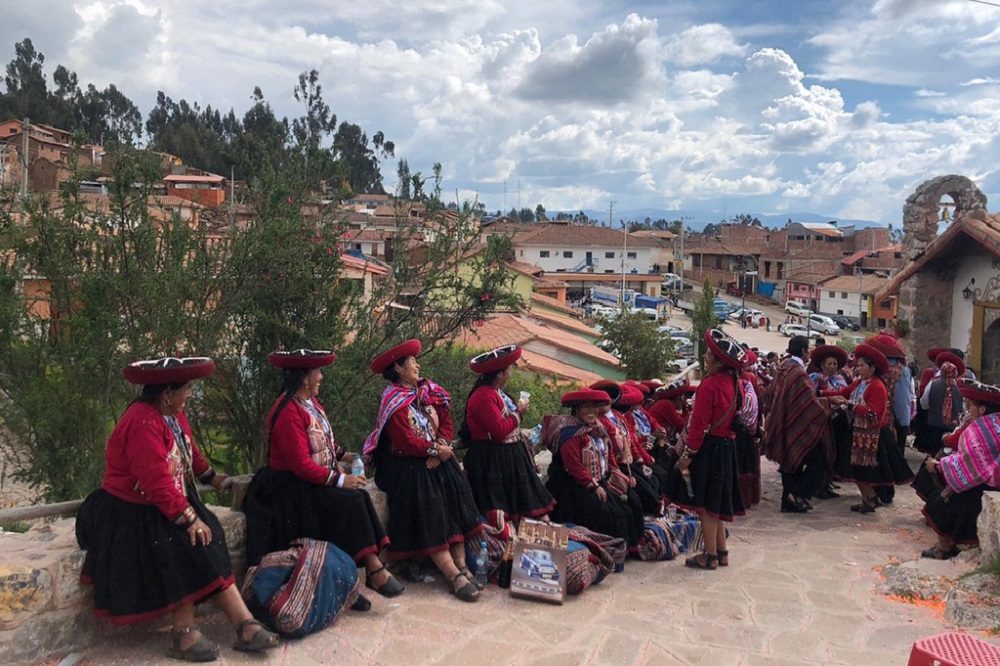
(849,294)
(574,248)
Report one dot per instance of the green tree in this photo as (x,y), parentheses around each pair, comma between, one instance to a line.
(703,317)
(27,93)
(540,213)
(643,350)
(403,176)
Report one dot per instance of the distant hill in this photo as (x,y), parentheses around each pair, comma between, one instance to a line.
(702,218)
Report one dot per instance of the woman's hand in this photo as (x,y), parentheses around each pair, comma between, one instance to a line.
(348,458)
(433,463)
(222,482)
(522,406)
(352,482)
(838,400)
(931,465)
(683,464)
(602,494)
(445,452)
(199,533)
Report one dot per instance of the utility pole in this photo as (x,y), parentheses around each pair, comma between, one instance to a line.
(25,129)
(232,197)
(680,272)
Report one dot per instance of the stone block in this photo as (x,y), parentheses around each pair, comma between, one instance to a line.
(70,592)
(988,528)
(380,501)
(974,603)
(25,590)
(49,634)
(234,525)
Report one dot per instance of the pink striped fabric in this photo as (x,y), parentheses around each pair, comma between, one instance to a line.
(977,460)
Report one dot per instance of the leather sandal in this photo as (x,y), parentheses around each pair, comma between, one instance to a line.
(709,562)
(467,592)
(935,553)
(472,579)
(260,641)
(390,588)
(866,507)
(723,558)
(200,651)
(361,604)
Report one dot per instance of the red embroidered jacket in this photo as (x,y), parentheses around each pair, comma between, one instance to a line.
(714,399)
(581,458)
(407,438)
(299,444)
(144,465)
(488,418)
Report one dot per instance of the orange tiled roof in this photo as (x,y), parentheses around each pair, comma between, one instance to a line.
(562,321)
(553,303)
(869,284)
(563,372)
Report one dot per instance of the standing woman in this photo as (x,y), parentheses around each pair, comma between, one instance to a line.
(827,381)
(431,507)
(584,477)
(709,455)
(942,403)
(875,458)
(302,493)
(499,468)
(152,546)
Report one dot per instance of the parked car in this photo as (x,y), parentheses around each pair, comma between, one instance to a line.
(649,313)
(736,314)
(679,364)
(845,322)
(668,329)
(823,323)
(798,308)
(791,330)
(685,351)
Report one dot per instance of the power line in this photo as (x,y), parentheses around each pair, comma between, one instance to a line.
(985,2)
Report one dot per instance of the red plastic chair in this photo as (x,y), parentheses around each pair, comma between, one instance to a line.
(953,649)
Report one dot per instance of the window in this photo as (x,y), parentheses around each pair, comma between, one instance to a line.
(543,254)
(718,262)
(843,294)
(696,260)
(632,255)
(767,269)
(608,270)
(567,254)
(887,303)
(832,294)
(781,270)
(609,255)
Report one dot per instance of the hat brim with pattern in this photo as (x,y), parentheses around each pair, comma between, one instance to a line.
(379,364)
(672,390)
(301,359)
(168,370)
(979,392)
(495,360)
(726,349)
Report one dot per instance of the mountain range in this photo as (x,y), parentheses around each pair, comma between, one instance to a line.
(699,219)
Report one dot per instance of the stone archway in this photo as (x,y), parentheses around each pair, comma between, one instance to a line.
(932,291)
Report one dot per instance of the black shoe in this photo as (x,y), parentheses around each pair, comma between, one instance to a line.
(805,504)
(865,507)
(361,604)
(826,494)
(390,588)
(788,506)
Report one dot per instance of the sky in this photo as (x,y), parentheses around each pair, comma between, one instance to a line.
(838,107)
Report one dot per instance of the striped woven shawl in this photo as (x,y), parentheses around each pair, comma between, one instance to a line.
(796,421)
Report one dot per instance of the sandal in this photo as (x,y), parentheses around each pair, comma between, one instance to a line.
(472,579)
(936,553)
(709,562)
(865,507)
(202,649)
(260,641)
(390,588)
(467,592)
(723,558)
(361,604)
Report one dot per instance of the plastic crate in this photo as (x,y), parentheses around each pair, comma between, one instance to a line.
(953,649)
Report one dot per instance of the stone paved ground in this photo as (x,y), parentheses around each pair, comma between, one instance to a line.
(801,590)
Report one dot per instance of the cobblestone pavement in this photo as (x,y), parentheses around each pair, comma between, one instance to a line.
(800,590)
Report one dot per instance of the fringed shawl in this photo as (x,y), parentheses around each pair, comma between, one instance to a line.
(396,397)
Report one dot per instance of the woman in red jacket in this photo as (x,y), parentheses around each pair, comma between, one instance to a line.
(431,507)
(711,487)
(875,458)
(152,546)
(302,493)
(500,470)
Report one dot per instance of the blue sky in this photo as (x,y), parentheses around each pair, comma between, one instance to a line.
(835,107)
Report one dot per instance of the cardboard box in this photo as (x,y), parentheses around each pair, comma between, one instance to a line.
(539,564)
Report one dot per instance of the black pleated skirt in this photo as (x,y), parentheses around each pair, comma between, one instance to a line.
(928,440)
(429,509)
(503,477)
(141,565)
(714,481)
(575,504)
(281,507)
(955,516)
(840,426)
(891,468)
(926,484)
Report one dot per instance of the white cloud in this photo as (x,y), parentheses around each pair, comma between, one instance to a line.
(702,45)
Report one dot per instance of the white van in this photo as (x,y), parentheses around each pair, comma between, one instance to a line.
(824,324)
(798,308)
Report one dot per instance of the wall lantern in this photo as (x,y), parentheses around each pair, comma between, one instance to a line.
(967,292)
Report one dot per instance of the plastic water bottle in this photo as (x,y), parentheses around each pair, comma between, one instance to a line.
(357,466)
(481,574)
(535,435)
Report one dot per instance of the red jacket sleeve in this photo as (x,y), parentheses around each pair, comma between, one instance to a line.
(667,415)
(876,401)
(572,457)
(639,452)
(401,437)
(290,448)
(484,416)
(146,452)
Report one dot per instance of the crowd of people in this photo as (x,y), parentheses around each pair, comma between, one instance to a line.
(622,452)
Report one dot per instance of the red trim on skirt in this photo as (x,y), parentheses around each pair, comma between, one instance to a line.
(372,550)
(930,524)
(534,514)
(452,540)
(216,586)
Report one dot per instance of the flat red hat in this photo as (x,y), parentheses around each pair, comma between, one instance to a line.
(887,345)
(751,356)
(876,357)
(672,390)
(301,359)
(725,348)
(611,387)
(495,360)
(948,357)
(933,352)
(640,386)
(823,352)
(168,370)
(652,384)
(978,391)
(585,395)
(397,353)
(631,396)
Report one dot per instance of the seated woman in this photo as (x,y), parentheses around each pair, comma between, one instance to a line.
(152,547)
(668,409)
(431,507)
(584,477)
(875,458)
(960,478)
(640,429)
(302,493)
(500,470)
